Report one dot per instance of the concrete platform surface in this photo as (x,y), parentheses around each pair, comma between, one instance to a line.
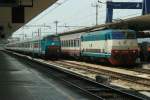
(19,82)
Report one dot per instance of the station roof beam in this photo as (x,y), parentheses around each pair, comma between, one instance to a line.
(126,5)
(16,13)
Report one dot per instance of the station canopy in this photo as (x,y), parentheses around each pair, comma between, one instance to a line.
(139,23)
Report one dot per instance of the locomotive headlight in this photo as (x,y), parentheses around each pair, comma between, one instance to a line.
(53,43)
(134,51)
(116,51)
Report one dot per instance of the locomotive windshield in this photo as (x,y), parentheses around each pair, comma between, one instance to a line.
(123,35)
(53,38)
(130,35)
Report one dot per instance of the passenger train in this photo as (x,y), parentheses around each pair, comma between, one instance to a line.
(48,46)
(116,46)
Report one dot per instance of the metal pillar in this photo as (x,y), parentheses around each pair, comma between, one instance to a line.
(126,5)
(146,7)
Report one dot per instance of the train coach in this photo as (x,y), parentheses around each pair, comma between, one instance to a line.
(71,45)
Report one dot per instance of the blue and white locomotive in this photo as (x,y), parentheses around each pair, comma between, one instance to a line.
(116,46)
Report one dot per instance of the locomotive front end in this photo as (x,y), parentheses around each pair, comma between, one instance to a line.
(125,49)
(52,47)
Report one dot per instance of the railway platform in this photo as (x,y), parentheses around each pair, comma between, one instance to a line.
(20,82)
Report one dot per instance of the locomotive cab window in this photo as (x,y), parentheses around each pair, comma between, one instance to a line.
(118,35)
(130,35)
(123,35)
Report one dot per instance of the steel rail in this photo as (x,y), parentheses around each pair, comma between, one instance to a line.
(112,74)
(88,86)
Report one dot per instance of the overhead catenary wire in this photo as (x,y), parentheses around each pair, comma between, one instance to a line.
(42,16)
(84,18)
(79,21)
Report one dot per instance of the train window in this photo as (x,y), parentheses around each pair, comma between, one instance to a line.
(35,45)
(74,43)
(65,44)
(69,43)
(118,35)
(62,43)
(78,42)
(130,35)
(82,39)
(55,39)
(123,35)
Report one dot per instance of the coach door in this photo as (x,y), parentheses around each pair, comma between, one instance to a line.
(107,37)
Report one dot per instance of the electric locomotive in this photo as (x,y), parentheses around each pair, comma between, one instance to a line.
(116,46)
(51,45)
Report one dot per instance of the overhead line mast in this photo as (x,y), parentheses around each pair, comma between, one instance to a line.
(56,23)
(96,6)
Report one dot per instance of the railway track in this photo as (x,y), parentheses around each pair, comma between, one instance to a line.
(112,74)
(89,87)
(141,70)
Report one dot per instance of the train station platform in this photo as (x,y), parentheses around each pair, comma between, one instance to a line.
(20,82)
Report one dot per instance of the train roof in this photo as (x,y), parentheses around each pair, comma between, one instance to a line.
(35,39)
(102,32)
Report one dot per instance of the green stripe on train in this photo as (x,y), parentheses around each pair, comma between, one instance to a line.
(97,55)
